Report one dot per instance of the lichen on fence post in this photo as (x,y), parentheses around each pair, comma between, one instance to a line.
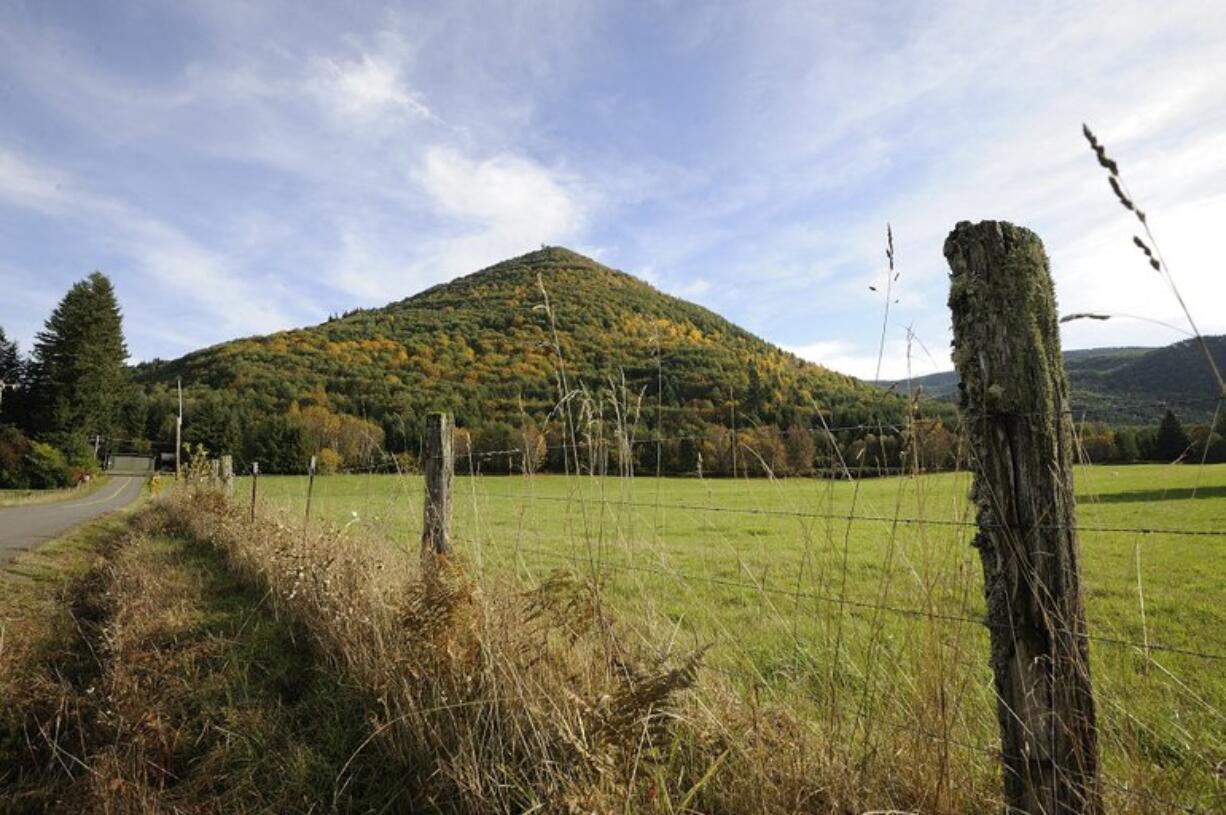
(1013,396)
(227,475)
(255,480)
(439,469)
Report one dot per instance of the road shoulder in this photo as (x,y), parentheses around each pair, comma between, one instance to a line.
(141,673)
(27,498)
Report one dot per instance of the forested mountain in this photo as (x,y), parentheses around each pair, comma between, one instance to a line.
(483,347)
(1129,385)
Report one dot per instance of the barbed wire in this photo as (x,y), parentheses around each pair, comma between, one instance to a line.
(392,468)
(866,609)
(876,717)
(849,517)
(992,752)
(797,594)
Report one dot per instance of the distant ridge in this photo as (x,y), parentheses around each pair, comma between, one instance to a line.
(1126,385)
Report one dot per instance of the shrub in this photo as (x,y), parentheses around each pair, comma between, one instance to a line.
(47,467)
(14,450)
(327,461)
(79,454)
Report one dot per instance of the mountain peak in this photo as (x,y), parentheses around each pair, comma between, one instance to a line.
(482,347)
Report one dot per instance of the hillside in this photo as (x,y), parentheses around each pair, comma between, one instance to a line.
(1127,385)
(481,346)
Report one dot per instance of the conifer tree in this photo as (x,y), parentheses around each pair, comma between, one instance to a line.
(77,368)
(1172,440)
(10,361)
(11,371)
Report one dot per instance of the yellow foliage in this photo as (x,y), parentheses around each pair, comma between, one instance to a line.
(327,461)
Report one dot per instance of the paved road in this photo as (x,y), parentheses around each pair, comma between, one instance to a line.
(23,528)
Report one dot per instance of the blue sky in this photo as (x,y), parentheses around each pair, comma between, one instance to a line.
(239,168)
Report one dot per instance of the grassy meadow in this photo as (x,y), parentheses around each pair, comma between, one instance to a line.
(868,623)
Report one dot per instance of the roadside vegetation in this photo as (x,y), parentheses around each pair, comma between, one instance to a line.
(141,674)
(196,659)
(868,628)
(16,498)
(70,390)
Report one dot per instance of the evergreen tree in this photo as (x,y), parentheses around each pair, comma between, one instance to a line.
(1126,447)
(10,360)
(77,373)
(11,371)
(1172,440)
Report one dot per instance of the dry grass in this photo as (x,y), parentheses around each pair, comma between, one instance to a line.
(493,698)
(49,608)
(507,702)
(139,675)
(209,662)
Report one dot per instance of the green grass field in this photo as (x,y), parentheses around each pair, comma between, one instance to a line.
(871,620)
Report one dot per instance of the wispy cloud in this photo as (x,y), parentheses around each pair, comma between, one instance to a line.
(368,87)
(181,275)
(27,185)
(900,359)
(260,167)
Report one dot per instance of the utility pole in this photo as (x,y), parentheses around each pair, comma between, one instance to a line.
(179,427)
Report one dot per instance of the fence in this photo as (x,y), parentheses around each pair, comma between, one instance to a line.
(858,593)
(859,600)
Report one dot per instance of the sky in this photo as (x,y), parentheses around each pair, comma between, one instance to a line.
(238,168)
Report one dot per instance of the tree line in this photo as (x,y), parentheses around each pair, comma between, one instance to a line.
(74,400)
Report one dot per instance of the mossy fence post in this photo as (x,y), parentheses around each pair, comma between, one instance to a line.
(306,521)
(227,475)
(1015,410)
(255,480)
(439,469)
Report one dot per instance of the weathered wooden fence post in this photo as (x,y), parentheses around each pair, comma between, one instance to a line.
(1014,406)
(214,473)
(255,479)
(439,468)
(306,521)
(227,475)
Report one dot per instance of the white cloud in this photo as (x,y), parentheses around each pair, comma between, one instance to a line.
(358,90)
(392,149)
(486,210)
(506,193)
(899,359)
(694,288)
(26,185)
(176,273)
(959,112)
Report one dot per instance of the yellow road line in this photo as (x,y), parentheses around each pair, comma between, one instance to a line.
(122,486)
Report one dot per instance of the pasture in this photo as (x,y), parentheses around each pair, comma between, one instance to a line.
(859,603)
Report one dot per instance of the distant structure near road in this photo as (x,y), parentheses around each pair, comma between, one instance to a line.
(128,464)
